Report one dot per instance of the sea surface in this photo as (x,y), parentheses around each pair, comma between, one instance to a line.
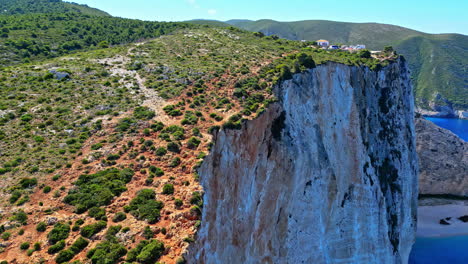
(457,126)
(440,250)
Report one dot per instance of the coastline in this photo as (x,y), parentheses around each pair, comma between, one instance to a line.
(431,211)
(446,113)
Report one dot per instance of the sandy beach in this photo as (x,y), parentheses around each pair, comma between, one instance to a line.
(431,211)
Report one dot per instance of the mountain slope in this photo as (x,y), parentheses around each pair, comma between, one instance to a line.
(12,7)
(439,62)
(28,37)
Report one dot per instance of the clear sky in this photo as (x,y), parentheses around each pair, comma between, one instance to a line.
(432,16)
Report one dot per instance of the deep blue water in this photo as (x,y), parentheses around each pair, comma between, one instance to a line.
(444,250)
(457,126)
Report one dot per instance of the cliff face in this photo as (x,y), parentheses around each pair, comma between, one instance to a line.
(328,174)
(443,160)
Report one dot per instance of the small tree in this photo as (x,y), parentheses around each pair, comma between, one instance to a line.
(388,49)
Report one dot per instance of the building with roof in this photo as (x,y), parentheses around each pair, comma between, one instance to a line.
(323,43)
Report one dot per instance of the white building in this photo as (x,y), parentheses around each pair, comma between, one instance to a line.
(323,43)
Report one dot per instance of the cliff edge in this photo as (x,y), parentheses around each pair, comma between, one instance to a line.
(327,174)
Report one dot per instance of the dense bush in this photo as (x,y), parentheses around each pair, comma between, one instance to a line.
(57,247)
(47,189)
(20,216)
(119,217)
(151,252)
(144,206)
(146,252)
(106,253)
(58,233)
(193,143)
(24,245)
(143,113)
(156,171)
(41,227)
(168,189)
(90,230)
(97,213)
(94,190)
(79,245)
(64,256)
(28,182)
(173,147)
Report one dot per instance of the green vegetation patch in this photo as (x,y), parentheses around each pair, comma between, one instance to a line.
(94,190)
(144,206)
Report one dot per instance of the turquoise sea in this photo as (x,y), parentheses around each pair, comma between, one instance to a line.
(443,250)
(457,126)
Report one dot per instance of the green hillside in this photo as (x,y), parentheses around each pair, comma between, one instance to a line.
(36,36)
(12,7)
(439,62)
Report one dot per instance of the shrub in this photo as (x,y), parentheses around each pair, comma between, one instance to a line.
(144,207)
(156,171)
(284,72)
(143,113)
(57,247)
(58,233)
(64,256)
(168,189)
(21,217)
(37,246)
(106,252)
(26,118)
(175,162)
(96,146)
(161,151)
(157,126)
(6,235)
(41,227)
(119,217)
(90,230)
(151,252)
(364,54)
(148,233)
(26,183)
(173,147)
(15,195)
(47,189)
(97,213)
(196,199)
(178,203)
(24,246)
(193,143)
(79,245)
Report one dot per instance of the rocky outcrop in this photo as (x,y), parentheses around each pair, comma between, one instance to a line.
(328,174)
(443,160)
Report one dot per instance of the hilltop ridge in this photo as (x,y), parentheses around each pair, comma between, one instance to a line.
(17,7)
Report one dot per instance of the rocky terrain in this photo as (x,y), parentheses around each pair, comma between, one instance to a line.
(443,159)
(328,174)
(126,141)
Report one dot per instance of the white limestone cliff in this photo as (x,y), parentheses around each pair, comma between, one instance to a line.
(328,174)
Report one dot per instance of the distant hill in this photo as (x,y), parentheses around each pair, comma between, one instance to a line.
(208,22)
(15,7)
(439,61)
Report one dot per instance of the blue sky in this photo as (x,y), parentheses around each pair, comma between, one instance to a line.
(432,16)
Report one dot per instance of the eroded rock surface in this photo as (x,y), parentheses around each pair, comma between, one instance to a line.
(443,160)
(328,174)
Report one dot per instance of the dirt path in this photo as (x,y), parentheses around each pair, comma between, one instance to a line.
(118,66)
